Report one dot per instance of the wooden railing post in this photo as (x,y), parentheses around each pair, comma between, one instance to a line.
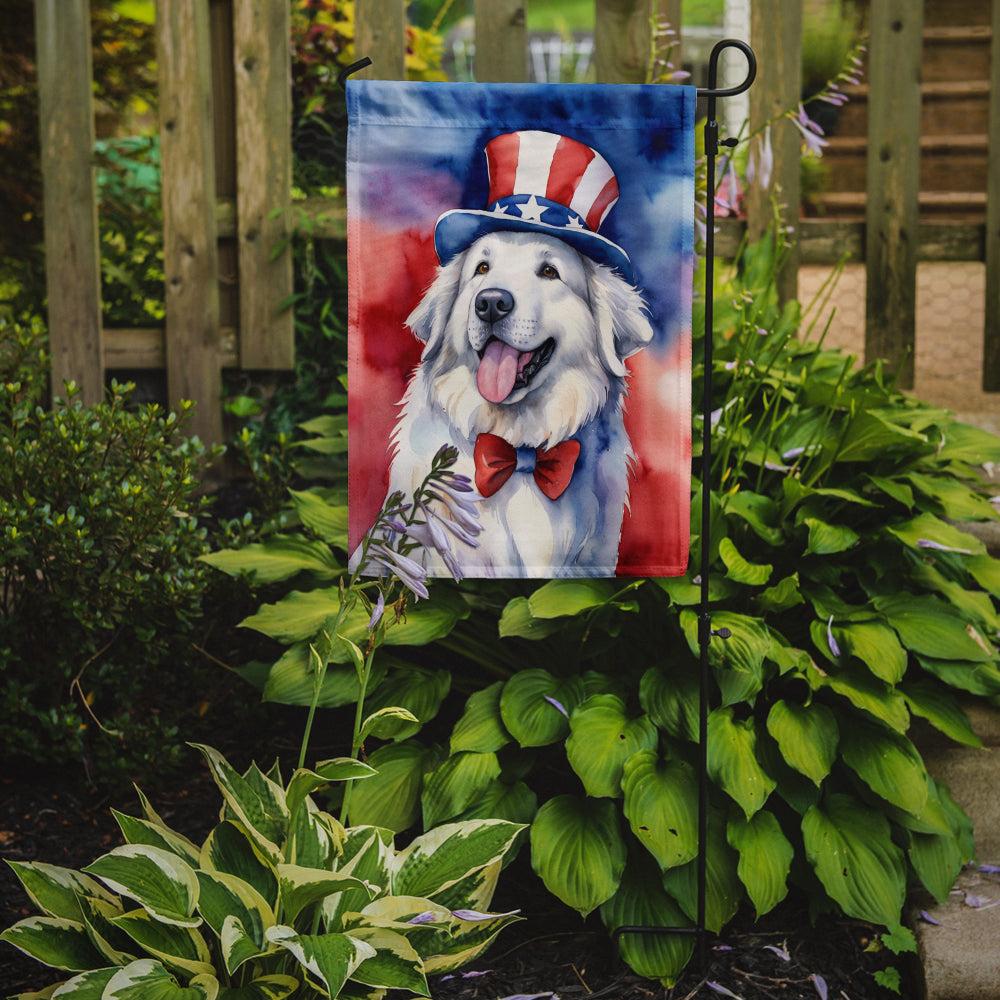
(72,255)
(262,62)
(380,34)
(991,332)
(776,36)
(501,41)
(190,251)
(893,183)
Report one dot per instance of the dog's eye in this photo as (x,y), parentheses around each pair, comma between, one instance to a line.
(482,267)
(548,271)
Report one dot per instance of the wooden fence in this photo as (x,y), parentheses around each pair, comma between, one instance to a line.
(226,161)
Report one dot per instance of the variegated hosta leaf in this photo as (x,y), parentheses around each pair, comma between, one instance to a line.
(230,849)
(141,831)
(602,737)
(888,763)
(466,941)
(256,801)
(395,964)
(441,857)
(661,800)
(177,947)
(147,979)
(86,986)
(301,887)
(54,941)
(642,902)
(225,897)
(481,727)
(476,890)
(315,838)
(807,736)
(274,987)
(367,853)
(850,847)
(456,784)
(391,799)
(732,760)
(765,858)
(329,959)
(98,915)
(56,891)
(535,706)
(158,880)
(304,782)
(578,851)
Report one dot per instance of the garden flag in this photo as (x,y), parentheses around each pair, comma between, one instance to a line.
(520,263)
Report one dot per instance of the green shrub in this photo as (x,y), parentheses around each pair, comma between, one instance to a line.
(99,541)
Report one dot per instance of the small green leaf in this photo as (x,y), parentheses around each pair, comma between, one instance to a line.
(535,706)
(739,569)
(765,858)
(807,736)
(828,539)
(517,620)
(328,521)
(671,700)
(481,727)
(559,598)
(279,558)
(391,798)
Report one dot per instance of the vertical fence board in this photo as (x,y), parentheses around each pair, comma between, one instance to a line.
(776,35)
(622,40)
(190,254)
(893,183)
(262,61)
(72,257)
(380,34)
(991,332)
(501,41)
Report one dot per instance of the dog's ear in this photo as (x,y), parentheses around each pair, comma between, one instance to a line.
(623,326)
(429,319)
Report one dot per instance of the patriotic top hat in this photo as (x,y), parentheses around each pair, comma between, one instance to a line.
(541,182)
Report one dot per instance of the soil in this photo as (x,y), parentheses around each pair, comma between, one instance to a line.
(551,952)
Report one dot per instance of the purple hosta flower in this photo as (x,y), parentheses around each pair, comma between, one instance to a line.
(465,975)
(475,915)
(989,869)
(728,196)
(927,918)
(780,952)
(377,612)
(927,543)
(558,705)
(410,572)
(531,996)
(834,648)
(812,134)
(760,165)
(820,983)
(427,917)
(719,988)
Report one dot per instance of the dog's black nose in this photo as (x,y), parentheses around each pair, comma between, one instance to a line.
(494,304)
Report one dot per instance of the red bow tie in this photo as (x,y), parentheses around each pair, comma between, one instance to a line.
(496,461)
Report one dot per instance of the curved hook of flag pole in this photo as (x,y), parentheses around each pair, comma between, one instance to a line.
(352,68)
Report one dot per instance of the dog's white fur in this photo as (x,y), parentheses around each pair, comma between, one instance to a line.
(596,320)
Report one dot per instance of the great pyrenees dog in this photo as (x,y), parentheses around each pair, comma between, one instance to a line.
(525,339)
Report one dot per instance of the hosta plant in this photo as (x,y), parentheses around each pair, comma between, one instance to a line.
(279,900)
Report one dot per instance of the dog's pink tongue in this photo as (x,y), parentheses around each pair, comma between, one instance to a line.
(497,371)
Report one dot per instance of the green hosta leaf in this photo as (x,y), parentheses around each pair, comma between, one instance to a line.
(279,558)
(517,620)
(928,528)
(260,809)
(765,858)
(438,859)
(683,592)
(937,859)
(976,678)
(661,799)
(386,723)
(395,964)
(986,572)
(391,798)
(481,728)
(292,680)
(732,760)
(226,898)
(641,901)
(147,979)
(975,605)
(559,598)
(738,661)
(415,689)
(304,782)
(456,784)
(739,569)
(671,700)
(180,948)
(327,520)
(827,539)
(783,595)
(535,706)
(516,803)
(141,831)
(957,501)
(888,763)
(893,488)
(578,851)
(941,709)
(850,848)
(330,959)
(758,511)
(876,646)
(870,435)
(965,443)
(159,881)
(932,628)
(723,889)
(54,941)
(56,891)
(275,987)
(866,692)
(230,849)
(301,887)
(602,738)
(807,736)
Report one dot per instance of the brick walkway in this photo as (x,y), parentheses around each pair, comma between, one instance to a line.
(950,313)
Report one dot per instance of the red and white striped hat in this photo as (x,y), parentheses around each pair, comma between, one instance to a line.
(541,182)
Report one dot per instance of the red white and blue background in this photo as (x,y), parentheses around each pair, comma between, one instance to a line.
(520,264)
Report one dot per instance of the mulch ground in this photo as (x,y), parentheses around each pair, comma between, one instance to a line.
(551,952)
